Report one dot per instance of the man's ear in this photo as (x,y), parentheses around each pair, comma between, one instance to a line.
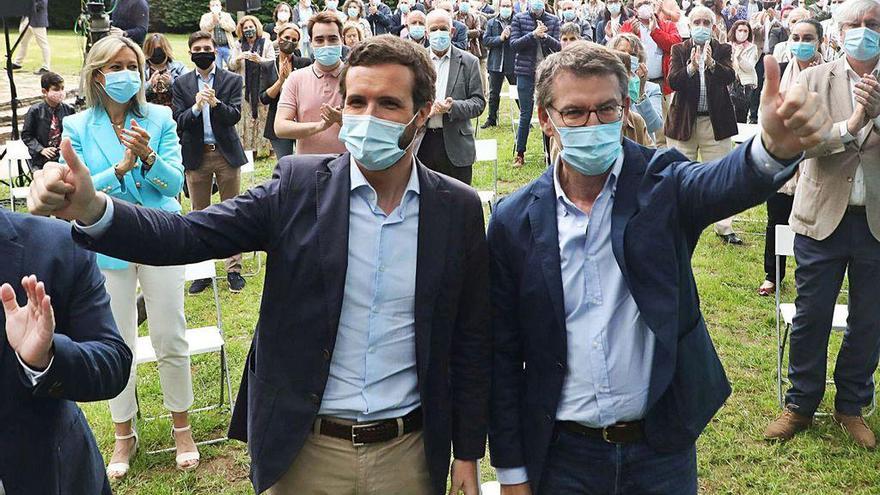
(544,121)
(452,32)
(423,115)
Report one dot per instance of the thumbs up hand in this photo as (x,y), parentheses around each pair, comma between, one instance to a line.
(66,190)
(793,121)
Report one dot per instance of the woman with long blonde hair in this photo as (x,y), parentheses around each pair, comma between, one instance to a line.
(132,149)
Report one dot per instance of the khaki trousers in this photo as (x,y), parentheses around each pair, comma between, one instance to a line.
(42,37)
(332,466)
(703,147)
(484,75)
(199,183)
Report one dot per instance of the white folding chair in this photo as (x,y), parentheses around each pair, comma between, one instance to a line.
(15,159)
(249,169)
(201,341)
(785,318)
(487,151)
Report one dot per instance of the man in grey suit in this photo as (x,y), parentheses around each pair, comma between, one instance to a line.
(448,146)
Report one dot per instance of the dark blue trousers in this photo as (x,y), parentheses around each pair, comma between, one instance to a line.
(577,465)
(821,266)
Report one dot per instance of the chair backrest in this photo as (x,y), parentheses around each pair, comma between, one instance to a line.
(784,241)
(200,270)
(487,150)
(248,168)
(16,151)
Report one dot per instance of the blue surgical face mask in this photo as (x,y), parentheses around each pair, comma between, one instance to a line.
(862,43)
(439,40)
(404,8)
(417,32)
(332,4)
(353,11)
(633,63)
(328,56)
(802,50)
(700,34)
(568,15)
(613,8)
(506,12)
(122,86)
(373,142)
(464,8)
(635,83)
(536,6)
(591,150)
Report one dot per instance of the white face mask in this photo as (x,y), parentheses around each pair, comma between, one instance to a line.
(216,9)
(283,15)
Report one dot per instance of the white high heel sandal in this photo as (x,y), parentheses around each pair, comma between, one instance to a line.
(118,470)
(186,456)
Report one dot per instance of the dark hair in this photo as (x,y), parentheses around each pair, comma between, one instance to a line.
(816,24)
(50,79)
(201,35)
(278,6)
(325,17)
(731,33)
(389,49)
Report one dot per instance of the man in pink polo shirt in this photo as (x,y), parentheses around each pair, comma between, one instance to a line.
(310,107)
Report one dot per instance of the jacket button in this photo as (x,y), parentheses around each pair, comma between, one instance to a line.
(315,399)
(849,179)
(137,185)
(560,365)
(326,354)
(548,418)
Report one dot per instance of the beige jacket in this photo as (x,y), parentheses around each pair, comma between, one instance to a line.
(826,178)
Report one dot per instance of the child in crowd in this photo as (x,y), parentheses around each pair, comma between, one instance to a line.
(42,124)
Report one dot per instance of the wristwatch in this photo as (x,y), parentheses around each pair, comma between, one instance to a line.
(150,160)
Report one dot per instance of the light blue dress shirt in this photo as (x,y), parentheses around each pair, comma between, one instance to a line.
(205,110)
(373,369)
(609,347)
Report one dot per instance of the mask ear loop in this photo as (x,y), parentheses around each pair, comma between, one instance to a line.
(415,134)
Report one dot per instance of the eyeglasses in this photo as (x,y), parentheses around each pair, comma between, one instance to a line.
(578,117)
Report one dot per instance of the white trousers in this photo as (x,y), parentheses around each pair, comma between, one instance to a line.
(162,287)
(42,37)
(703,147)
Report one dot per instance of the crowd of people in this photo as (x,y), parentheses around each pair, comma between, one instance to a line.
(395,331)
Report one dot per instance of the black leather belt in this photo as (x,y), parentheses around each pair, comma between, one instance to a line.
(373,431)
(703,114)
(856,210)
(434,129)
(630,432)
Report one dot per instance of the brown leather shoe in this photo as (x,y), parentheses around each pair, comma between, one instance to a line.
(787,425)
(519,161)
(857,429)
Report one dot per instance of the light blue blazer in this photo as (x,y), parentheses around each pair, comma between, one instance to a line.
(95,141)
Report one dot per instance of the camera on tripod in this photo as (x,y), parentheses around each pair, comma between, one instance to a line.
(98,20)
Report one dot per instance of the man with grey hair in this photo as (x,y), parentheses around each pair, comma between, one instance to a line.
(460,36)
(836,218)
(604,372)
(416,30)
(701,119)
(448,146)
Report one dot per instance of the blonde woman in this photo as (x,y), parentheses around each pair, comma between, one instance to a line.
(255,48)
(354,10)
(132,150)
(352,34)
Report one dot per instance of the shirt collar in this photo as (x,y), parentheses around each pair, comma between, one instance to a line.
(852,73)
(320,73)
(445,56)
(210,74)
(358,180)
(611,182)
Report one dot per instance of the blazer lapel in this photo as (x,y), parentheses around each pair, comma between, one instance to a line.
(430,260)
(454,69)
(12,253)
(332,201)
(625,204)
(105,137)
(542,218)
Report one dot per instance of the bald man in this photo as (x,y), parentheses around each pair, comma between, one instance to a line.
(448,145)
(460,38)
(416,30)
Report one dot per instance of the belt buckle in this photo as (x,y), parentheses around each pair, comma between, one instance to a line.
(212,147)
(354,429)
(605,436)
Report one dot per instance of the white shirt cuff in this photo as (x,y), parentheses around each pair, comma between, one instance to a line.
(845,136)
(512,476)
(98,228)
(766,163)
(33,375)
(197,110)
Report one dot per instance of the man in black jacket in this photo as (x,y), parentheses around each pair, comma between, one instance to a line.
(207,105)
(131,19)
(42,124)
(61,345)
(371,361)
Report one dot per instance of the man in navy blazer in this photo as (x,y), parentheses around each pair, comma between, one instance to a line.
(61,346)
(604,372)
(372,352)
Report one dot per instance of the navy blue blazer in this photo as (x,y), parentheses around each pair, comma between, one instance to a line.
(662,204)
(300,218)
(46,445)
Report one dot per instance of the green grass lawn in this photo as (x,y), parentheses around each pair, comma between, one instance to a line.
(733,459)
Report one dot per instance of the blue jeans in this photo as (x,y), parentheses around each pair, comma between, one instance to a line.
(578,465)
(282,147)
(223,53)
(525,87)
